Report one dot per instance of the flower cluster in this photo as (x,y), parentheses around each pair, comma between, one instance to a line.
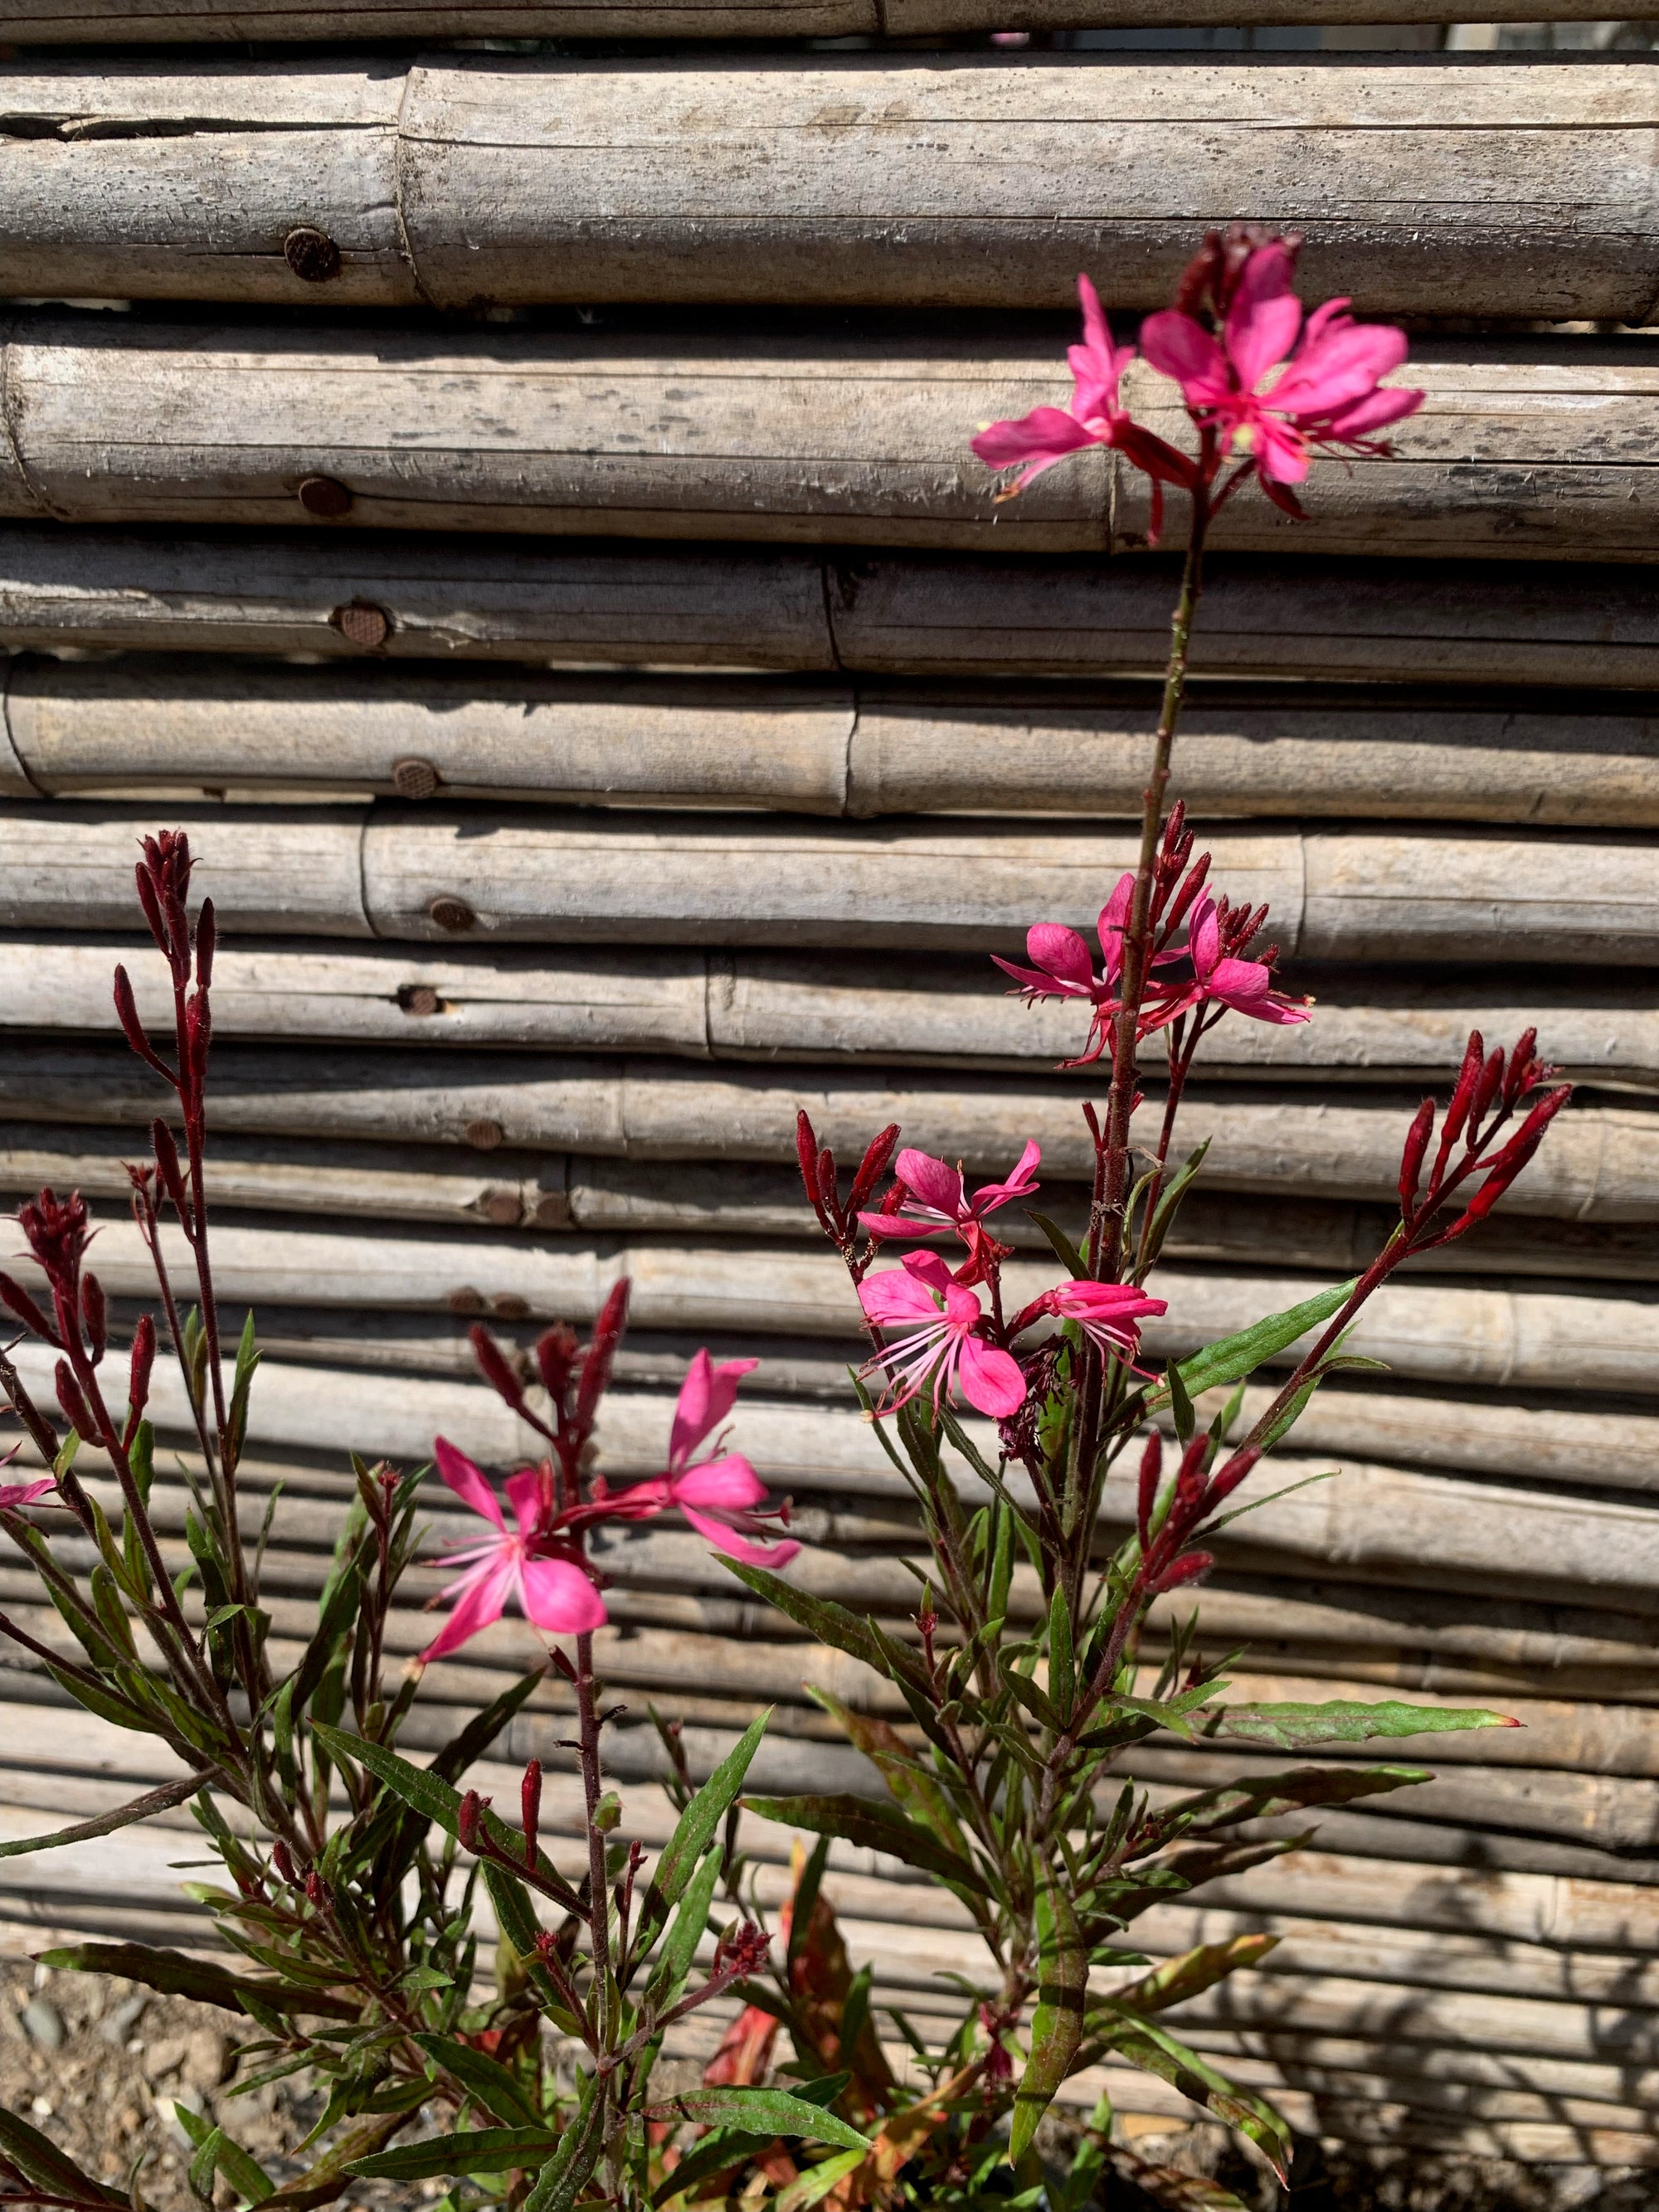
(540,1561)
(1255,396)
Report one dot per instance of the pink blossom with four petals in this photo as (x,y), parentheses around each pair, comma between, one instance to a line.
(1062,966)
(717,1496)
(936,1200)
(1108,1314)
(555,1595)
(936,1326)
(1246,986)
(1328,393)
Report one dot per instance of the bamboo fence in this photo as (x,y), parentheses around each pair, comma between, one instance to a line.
(605,733)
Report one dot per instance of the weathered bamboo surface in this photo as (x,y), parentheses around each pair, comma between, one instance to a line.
(464,181)
(426,596)
(411,872)
(1601,1165)
(776,1006)
(1459,1332)
(528,1190)
(1530,448)
(238,729)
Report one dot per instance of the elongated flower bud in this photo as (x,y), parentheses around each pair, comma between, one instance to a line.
(1227,1480)
(143,1360)
(1186,1569)
(1151,1466)
(530,1801)
(608,1332)
(1463,1097)
(94,1317)
(1411,1160)
(873,1167)
(806,1151)
(469,1821)
(17,1299)
(495,1366)
(207,939)
(76,1412)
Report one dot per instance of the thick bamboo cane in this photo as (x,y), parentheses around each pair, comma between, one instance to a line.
(1526,449)
(949,180)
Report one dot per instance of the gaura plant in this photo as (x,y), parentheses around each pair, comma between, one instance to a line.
(353,1873)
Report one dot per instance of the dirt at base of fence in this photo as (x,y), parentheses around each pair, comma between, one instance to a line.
(101,2065)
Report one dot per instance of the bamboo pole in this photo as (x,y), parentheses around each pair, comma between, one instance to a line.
(424,596)
(98,729)
(1526,449)
(1371,1026)
(943,180)
(513,1189)
(1600,1165)
(212,22)
(415,873)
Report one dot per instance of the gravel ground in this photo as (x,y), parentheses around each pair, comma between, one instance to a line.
(99,2064)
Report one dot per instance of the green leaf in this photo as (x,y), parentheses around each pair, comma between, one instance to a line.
(1293,1728)
(1155,2050)
(1168,1203)
(1208,1810)
(910,1783)
(1193,1972)
(515,1917)
(496,2087)
(50,2169)
(774,2111)
(828,1622)
(430,1794)
(808,1883)
(1234,1357)
(482,2150)
(123,1816)
(172,1975)
(565,2175)
(818,2181)
(215,2151)
(1063,1664)
(1060,1245)
(877,1827)
(694,1828)
(689,1921)
(1186,1420)
(734,2146)
(1057,2023)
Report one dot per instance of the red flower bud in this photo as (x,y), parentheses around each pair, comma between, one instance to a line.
(469,1820)
(76,1412)
(807,1153)
(1186,1569)
(207,939)
(13,1295)
(1151,1466)
(555,1359)
(169,1169)
(531,1801)
(1224,1484)
(126,1013)
(495,1368)
(873,1167)
(608,1331)
(1411,1160)
(1463,1097)
(316,1895)
(282,1859)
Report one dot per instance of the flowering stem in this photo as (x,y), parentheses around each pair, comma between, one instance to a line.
(599,1899)
(1106,1225)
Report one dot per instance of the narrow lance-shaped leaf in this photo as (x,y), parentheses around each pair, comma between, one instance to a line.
(172,1975)
(566,2174)
(1057,2023)
(878,1827)
(121,1816)
(1155,2050)
(1193,1972)
(482,2150)
(1294,1727)
(1234,1357)
(496,2087)
(775,2109)
(694,1830)
(52,2171)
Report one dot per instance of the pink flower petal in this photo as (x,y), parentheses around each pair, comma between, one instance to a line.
(531,1498)
(25,1493)
(895,1297)
(467,1482)
(1059,953)
(1346,364)
(1046,435)
(729,1481)
(1373,412)
(991,1381)
(931,1181)
(484,1598)
(1182,348)
(990,1195)
(560,1599)
(742,1547)
(1260,332)
(707,1397)
(927,1268)
(1281,455)
(1204,937)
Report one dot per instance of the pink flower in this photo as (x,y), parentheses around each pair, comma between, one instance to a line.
(1107,1313)
(1095,418)
(937,1324)
(935,1200)
(555,1595)
(717,1496)
(1062,967)
(1329,394)
(1246,986)
(24,1494)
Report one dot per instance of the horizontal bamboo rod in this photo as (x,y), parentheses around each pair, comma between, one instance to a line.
(251,731)
(1526,448)
(1478,1334)
(1602,1163)
(1473,184)
(529,1190)
(1380,1524)
(1370,1026)
(216,22)
(416,872)
(425,596)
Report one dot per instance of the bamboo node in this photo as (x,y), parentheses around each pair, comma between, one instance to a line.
(464,1299)
(451,913)
(361,622)
(414,779)
(485,1136)
(502,1204)
(419,999)
(311,254)
(325,497)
